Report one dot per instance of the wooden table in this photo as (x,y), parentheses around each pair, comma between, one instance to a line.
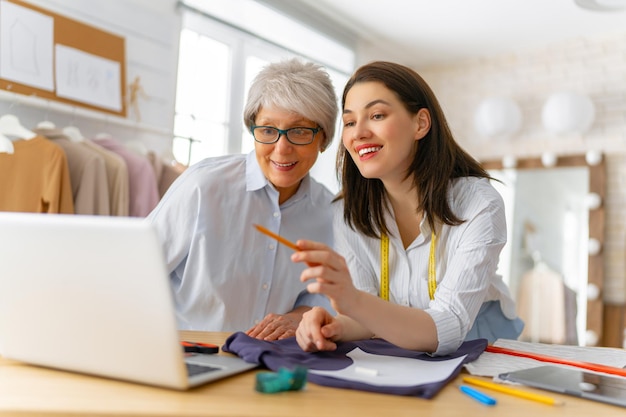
(28,391)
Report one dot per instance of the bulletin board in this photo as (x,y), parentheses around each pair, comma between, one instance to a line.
(72,35)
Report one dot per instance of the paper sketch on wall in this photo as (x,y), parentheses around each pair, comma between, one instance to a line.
(26,46)
(88,78)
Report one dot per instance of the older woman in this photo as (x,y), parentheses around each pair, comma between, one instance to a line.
(225,275)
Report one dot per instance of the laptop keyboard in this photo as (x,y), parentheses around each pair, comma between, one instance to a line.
(193,369)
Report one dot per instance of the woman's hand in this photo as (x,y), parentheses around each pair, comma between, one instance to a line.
(317,330)
(330,272)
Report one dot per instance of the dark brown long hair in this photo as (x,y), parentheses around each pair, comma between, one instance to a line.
(437,160)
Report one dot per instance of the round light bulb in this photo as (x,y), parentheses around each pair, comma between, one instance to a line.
(567,113)
(593,201)
(591,338)
(548,159)
(509,162)
(593,246)
(593,292)
(593,157)
(498,116)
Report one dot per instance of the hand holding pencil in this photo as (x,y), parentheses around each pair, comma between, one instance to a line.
(281,239)
(333,280)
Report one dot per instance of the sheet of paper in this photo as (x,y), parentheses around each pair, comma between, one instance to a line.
(493,364)
(388,371)
(88,78)
(26,53)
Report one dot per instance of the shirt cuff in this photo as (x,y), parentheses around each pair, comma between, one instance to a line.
(448,332)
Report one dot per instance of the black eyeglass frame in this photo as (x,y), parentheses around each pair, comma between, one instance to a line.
(285,132)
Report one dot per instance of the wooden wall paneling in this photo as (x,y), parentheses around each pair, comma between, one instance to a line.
(614,324)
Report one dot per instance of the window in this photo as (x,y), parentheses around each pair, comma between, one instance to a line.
(202,95)
(217,63)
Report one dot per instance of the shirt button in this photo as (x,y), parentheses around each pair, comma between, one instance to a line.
(257,321)
(272,247)
(276,214)
(264,286)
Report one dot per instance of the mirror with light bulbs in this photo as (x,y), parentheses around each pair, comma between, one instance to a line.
(553,260)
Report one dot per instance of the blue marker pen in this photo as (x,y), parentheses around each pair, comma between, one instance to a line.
(477,395)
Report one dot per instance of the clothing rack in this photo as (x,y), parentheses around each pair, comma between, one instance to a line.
(37,102)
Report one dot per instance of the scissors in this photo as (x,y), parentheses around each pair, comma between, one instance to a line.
(197,347)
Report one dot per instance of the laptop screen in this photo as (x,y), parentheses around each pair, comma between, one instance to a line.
(88,294)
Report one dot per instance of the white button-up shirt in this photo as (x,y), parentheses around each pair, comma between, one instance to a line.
(466,261)
(225,275)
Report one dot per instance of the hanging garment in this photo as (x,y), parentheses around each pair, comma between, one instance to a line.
(541,304)
(90,189)
(35,178)
(166,174)
(117,178)
(143,191)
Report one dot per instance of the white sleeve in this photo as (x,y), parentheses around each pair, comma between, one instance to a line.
(353,247)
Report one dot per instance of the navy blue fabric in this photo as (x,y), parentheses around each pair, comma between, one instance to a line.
(287,353)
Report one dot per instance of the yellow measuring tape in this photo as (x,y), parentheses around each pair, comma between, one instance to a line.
(384,267)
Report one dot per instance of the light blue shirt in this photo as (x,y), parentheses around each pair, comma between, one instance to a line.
(225,275)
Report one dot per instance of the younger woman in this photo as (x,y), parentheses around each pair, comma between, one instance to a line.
(418,228)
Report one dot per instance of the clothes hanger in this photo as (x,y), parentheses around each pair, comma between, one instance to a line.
(104,135)
(6,145)
(137,146)
(10,126)
(46,124)
(73,133)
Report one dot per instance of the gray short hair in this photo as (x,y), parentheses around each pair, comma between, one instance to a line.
(302,87)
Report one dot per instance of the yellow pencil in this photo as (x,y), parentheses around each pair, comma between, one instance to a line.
(513,391)
(275,236)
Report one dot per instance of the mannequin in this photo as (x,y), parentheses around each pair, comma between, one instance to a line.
(46,124)
(73,133)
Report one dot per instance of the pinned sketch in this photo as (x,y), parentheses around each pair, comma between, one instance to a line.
(26,46)
(88,78)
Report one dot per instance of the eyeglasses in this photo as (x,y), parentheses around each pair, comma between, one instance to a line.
(295,135)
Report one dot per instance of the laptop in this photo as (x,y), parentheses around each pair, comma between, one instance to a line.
(91,294)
